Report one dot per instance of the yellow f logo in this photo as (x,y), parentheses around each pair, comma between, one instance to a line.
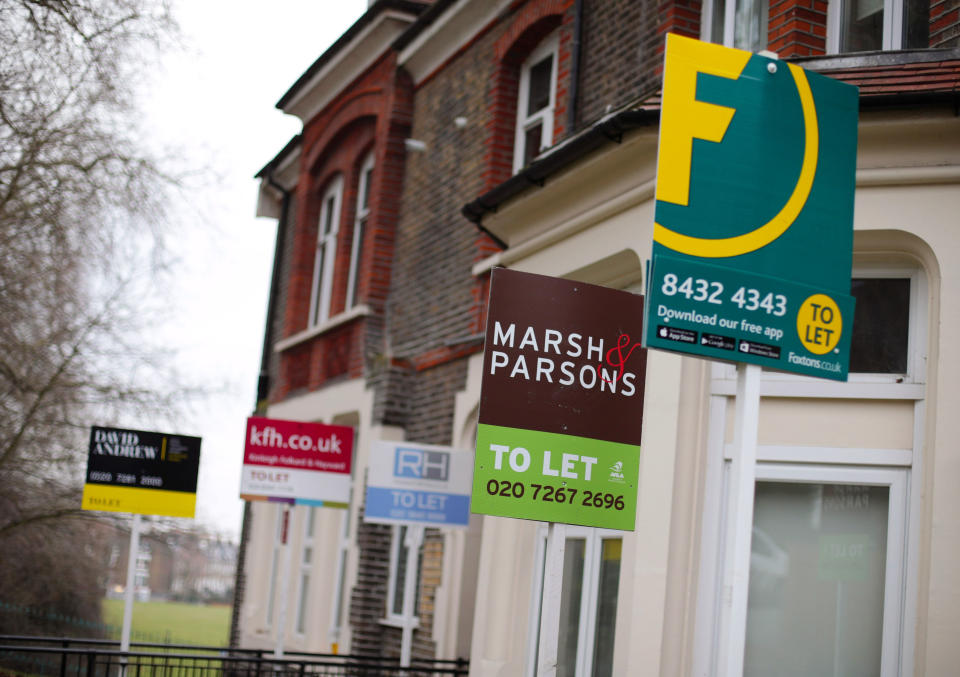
(690,118)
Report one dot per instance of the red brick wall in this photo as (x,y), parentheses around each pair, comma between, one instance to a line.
(373,114)
(798,27)
(945,23)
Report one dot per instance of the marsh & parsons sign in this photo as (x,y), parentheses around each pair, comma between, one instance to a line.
(141,472)
(753,240)
(561,402)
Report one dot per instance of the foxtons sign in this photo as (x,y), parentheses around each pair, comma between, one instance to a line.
(141,472)
(297,462)
(753,239)
(561,402)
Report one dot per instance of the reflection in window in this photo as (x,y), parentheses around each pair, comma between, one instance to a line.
(864,28)
(327,227)
(881,325)
(750,21)
(359,231)
(817,580)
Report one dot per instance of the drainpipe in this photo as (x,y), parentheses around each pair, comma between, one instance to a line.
(575,67)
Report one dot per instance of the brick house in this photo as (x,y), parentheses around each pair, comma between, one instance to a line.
(536,120)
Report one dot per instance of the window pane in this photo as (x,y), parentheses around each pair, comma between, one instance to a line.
(365,196)
(358,251)
(750,27)
(318,280)
(328,215)
(817,568)
(881,325)
(719,14)
(606,607)
(532,140)
(540,78)
(916,24)
(302,604)
(862,28)
(571,591)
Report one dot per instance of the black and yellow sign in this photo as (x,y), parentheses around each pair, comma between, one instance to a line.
(141,472)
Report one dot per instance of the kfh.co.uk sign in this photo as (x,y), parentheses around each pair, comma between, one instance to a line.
(412,483)
(297,462)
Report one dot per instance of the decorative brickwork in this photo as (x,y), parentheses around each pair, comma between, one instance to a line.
(945,23)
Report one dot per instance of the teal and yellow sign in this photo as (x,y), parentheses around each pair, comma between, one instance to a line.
(753,238)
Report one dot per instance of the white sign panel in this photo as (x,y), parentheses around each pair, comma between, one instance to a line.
(421,484)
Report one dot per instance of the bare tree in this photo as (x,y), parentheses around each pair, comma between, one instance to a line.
(81,246)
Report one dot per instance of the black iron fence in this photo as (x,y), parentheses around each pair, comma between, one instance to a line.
(62,657)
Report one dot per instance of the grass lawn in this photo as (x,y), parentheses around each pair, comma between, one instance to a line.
(171,622)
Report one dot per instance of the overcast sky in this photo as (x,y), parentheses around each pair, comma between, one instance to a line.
(216,98)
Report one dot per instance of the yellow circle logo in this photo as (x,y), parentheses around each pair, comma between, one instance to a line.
(819,324)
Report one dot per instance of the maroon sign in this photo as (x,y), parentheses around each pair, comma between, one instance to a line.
(563,357)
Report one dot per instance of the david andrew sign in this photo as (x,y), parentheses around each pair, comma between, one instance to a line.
(146,473)
(753,240)
(297,462)
(561,402)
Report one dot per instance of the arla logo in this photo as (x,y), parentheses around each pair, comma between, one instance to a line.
(712,93)
(616,472)
(421,464)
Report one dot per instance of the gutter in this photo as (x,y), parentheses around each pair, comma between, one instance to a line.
(607,130)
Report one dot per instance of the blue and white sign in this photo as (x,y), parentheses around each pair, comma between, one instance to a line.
(413,483)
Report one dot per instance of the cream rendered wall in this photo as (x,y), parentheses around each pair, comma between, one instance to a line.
(348,403)
(594,222)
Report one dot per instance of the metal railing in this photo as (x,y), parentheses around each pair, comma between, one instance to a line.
(63,657)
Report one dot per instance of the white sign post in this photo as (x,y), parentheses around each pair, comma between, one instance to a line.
(743,474)
(285,585)
(547,654)
(131,583)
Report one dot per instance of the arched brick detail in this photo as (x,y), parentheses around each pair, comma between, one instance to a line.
(532,23)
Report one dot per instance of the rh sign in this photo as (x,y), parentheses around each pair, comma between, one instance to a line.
(412,483)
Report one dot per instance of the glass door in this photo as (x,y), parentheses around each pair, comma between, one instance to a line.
(825,572)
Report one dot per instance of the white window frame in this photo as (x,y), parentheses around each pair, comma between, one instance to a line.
(414,542)
(307,560)
(322,285)
(833,464)
(549,46)
(893,11)
(593,550)
(360,223)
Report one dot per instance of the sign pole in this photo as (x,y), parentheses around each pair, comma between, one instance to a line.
(285,585)
(131,582)
(413,539)
(743,474)
(550,606)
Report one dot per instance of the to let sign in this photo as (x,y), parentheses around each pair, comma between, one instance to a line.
(753,240)
(297,462)
(411,483)
(146,473)
(561,402)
